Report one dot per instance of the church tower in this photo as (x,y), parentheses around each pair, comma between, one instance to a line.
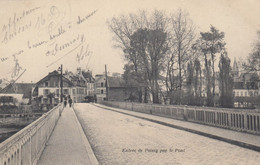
(235,69)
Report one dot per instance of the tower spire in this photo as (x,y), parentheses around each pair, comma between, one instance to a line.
(235,68)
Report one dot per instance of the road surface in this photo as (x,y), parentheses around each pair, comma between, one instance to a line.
(121,139)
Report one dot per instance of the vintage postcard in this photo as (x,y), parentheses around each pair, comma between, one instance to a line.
(129,82)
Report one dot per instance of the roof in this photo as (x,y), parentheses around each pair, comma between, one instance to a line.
(88,76)
(98,77)
(54,73)
(19,88)
(116,82)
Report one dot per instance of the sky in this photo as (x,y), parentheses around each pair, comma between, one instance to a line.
(36,37)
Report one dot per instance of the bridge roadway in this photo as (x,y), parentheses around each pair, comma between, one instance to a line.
(115,136)
(118,138)
(68,143)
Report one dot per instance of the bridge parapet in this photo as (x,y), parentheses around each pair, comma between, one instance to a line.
(239,120)
(25,147)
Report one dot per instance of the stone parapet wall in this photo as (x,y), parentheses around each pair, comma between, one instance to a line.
(239,120)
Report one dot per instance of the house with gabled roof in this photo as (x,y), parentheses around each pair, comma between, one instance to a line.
(114,88)
(21,91)
(48,88)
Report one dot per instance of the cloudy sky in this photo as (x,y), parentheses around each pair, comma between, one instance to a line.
(36,37)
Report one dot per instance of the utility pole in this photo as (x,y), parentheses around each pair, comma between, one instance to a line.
(61,84)
(106,83)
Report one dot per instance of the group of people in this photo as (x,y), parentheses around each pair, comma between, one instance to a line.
(67,99)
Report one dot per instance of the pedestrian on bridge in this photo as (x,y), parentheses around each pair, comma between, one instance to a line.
(70,101)
(65,101)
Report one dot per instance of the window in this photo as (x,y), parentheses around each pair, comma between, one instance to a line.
(81,91)
(102,84)
(65,91)
(245,93)
(234,93)
(46,92)
(237,93)
(102,91)
(45,100)
(57,92)
(241,93)
(46,84)
(56,84)
(74,91)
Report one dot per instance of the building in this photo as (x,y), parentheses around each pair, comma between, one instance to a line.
(118,91)
(77,86)
(83,84)
(114,89)
(89,82)
(245,88)
(21,91)
(245,93)
(100,87)
(47,90)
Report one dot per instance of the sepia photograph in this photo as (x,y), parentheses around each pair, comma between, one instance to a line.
(129,82)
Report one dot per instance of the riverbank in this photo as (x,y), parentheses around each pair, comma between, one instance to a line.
(10,125)
(6,133)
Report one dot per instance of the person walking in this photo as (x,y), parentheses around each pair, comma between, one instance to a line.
(70,101)
(65,101)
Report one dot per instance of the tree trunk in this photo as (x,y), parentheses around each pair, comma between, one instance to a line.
(213,78)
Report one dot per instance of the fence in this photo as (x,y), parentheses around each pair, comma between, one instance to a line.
(240,120)
(25,147)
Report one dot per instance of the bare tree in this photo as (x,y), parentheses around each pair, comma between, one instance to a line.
(143,41)
(253,61)
(182,37)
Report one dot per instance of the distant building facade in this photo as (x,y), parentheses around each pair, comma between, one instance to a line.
(245,88)
(48,88)
(21,91)
(77,86)
(114,89)
(100,87)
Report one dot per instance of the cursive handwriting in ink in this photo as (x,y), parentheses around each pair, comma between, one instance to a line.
(14,27)
(61,31)
(56,18)
(18,53)
(4,59)
(50,21)
(9,35)
(41,21)
(17,68)
(15,54)
(60,47)
(82,54)
(35,45)
(80,20)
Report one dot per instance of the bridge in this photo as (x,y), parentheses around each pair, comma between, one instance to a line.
(135,133)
